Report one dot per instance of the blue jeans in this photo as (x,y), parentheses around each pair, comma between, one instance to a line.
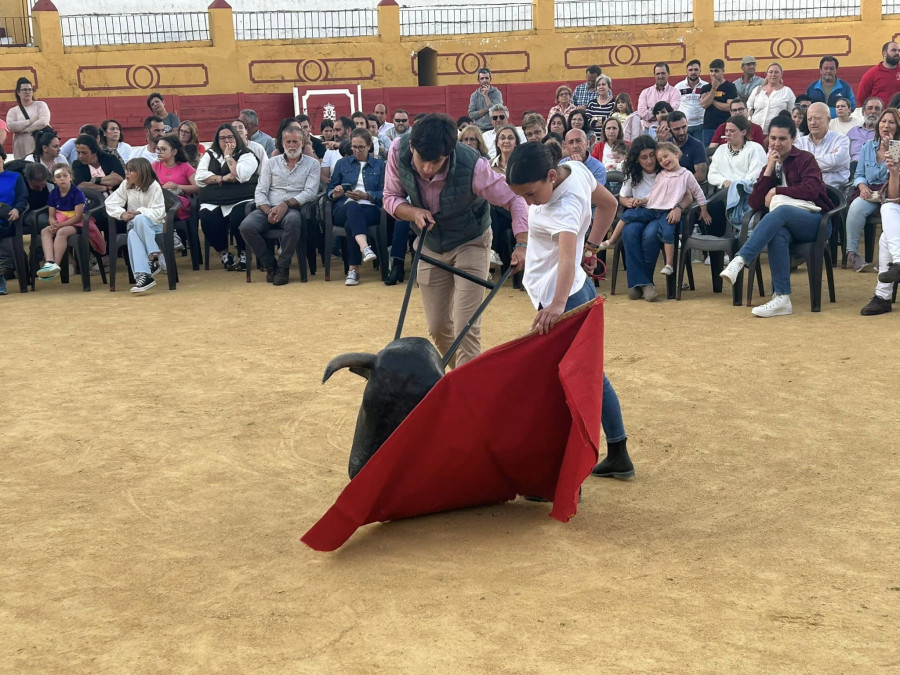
(641,251)
(775,232)
(142,242)
(356,219)
(659,216)
(859,210)
(611,415)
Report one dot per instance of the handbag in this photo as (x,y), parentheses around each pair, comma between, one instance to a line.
(784,200)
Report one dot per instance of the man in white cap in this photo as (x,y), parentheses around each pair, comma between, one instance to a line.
(749,80)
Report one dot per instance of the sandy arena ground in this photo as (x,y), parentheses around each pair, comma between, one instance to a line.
(162,455)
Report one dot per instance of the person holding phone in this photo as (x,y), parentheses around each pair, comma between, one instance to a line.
(356,189)
(889,244)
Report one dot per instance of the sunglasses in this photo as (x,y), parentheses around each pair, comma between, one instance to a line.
(405,119)
(498,117)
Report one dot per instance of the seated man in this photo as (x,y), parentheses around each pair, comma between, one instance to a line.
(693,154)
(858,136)
(831,149)
(286,183)
(154,130)
(738,107)
(575,149)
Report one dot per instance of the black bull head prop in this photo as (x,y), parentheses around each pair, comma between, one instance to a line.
(399,376)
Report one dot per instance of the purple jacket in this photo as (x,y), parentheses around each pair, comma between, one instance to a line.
(804,181)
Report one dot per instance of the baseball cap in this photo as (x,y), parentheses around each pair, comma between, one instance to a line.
(747,60)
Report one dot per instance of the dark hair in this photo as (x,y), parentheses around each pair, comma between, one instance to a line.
(419,116)
(463,122)
(89,142)
(192,152)
(344,148)
(43,139)
(584,115)
(144,170)
(363,134)
(19,83)
(150,120)
(783,121)
(325,124)
(661,64)
(515,133)
(564,119)
(826,59)
(301,118)
(174,142)
(662,106)
(484,70)
(2,151)
(358,113)
(90,130)
(346,122)
(676,116)
(741,123)
(620,146)
(371,118)
(802,97)
(883,50)
(847,101)
(632,167)
(529,162)
(35,171)
(104,125)
(738,99)
(895,101)
(694,61)
(626,99)
(594,70)
(152,96)
(717,63)
(621,135)
(434,136)
(553,136)
(239,146)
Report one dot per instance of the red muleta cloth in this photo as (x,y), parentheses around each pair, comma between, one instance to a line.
(521,419)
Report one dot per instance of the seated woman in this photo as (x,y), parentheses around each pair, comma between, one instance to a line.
(558,124)
(579,119)
(46,150)
(471,136)
(506,141)
(66,213)
(95,169)
(888,245)
(189,134)
(175,173)
(356,188)
(871,175)
(640,168)
(739,161)
(564,105)
(610,133)
(842,123)
(112,140)
(227,176)
(789,172)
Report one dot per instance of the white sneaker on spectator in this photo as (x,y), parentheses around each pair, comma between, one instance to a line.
(667,270)
(352,278)
(368,254)
(733,269)
(162,263)
(779,305)
(706,262)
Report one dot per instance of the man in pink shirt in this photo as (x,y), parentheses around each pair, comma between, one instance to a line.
(882,80)
(660,91)
(445,189)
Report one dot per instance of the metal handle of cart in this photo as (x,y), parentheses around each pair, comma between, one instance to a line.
(460,273)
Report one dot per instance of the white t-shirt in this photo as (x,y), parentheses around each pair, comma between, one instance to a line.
(330,159)
(642,189)
(569,210)
(361,184)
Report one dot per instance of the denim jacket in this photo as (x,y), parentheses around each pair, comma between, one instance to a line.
(347,171)
(868,170)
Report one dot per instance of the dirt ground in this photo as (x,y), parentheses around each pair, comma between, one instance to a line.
(162,455)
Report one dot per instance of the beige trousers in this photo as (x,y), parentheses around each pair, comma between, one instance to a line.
(450,301)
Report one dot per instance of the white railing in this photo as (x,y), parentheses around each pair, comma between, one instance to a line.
(890,7)
(86,30)
(586,13)
(459,20)
(305,25)
(759,10)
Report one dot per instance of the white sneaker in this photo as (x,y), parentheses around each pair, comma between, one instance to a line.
(495,259)
(48,271)
(368,254)
(706,261)
(667,270)
(734,267)
(162,263)
(352,278)
(727,259)
(779,305)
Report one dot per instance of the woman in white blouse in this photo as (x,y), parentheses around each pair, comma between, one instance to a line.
(227,176)
(46,151)
(843,122)
(26,117)
(739,158)
(770,98)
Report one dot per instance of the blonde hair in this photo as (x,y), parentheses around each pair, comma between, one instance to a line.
(474,130)
(671,148)
(144,171)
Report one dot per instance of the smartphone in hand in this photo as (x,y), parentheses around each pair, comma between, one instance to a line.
(894,151)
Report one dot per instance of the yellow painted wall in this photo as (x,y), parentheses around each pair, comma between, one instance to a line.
(224,65)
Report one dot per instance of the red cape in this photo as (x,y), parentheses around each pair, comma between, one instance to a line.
(521,419)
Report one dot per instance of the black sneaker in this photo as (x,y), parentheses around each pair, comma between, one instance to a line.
(227,261)
(281,276)
(240,265)
(876,306)
(155,267)
(144,283)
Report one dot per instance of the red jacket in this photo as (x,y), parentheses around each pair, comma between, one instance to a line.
(879,81)
(804,181)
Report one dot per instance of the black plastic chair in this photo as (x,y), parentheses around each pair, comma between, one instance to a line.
(80,243)
(26,265)
(375,233)
(816,254)
(165,240)
(274,236)
(189,231)
(716,247)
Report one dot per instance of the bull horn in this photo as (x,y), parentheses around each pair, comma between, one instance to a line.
(357,362)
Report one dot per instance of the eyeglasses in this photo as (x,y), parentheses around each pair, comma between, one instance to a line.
(470,141)
(226,138)
(498,117)
(405,119)
(736,110)
(359,147)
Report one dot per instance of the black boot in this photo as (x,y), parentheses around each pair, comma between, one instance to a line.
(617,463)
(397,274)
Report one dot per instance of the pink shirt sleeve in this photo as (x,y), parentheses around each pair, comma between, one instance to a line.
(394,193)
(695,189)
(492,186)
